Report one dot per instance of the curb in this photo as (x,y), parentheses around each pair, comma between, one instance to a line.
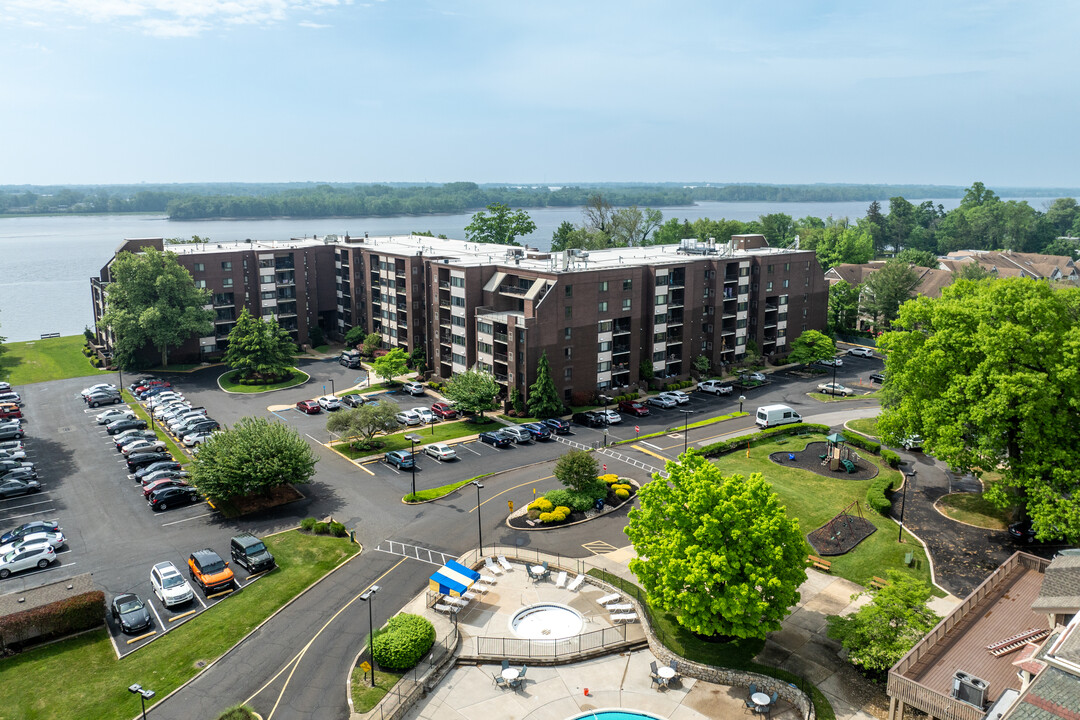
(307,377)
(258,627)
(614,508)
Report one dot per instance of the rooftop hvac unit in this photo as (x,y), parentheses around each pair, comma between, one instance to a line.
(970,689)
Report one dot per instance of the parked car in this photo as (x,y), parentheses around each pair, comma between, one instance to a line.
(832,362)
(144,384)
(130,613)
(861,351)
(4,386)
(195,439)
(349,358)
(250,552)
(209,571)
(661,401)
(169,585)
(138,460)
(149,469)
(13,488)
(912,442)
(97,388)
(151,392)
(11,432)
(441,451)
(132,423)
(166,474)
(495,438)
(24,474)
(413,388)
(678,396)
(633,407)
(558,425)
(1023,532)
(37,526)
(835,389)
(539,431)
(10,410)
(164,498)
(198,427)
(329,402)
(611,416)
(11,397)
(878,377)
(25,558)
(403,459)
(311,407)
(98,399)
(184,418)
(444,411)
(13,454)
(426,416)
(133,436)
(161,484)
(12,445)
(114,414)
(753,377)
(590,418)
(353,400)
(408,417)
(7,465)
(53,538)
(518,434)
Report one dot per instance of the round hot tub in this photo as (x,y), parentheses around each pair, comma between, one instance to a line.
(546,621)
(614,714)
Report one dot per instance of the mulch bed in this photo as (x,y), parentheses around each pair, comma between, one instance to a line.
(611,503)
(281,495)
(809,459)
(841,534)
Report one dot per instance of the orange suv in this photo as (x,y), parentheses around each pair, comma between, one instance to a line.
(209,571)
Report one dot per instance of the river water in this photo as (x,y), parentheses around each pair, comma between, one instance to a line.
(47,261)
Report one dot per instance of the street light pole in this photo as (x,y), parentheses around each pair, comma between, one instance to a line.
(910,478)
(742,399)
(332,391)
(143,694)
(479,526)
(366,597)
(413,438)
(686,429)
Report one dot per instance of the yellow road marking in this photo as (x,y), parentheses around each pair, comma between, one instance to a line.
(598,547)
(182,615)
(650,452)
(361,466)
(530,482)
(295,662)
(142,637)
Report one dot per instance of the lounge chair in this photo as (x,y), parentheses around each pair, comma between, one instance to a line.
(448,609)
(470,596)
(620,607)
(575,583)
(488,578)
(492,567)
(624,617)
(608,599)
(560,579)
(505,563)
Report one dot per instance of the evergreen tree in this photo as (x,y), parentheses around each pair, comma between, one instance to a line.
(259,348)
(544,399)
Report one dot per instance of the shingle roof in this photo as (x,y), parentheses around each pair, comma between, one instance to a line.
(1053,695)
(1061,585)
(45,594)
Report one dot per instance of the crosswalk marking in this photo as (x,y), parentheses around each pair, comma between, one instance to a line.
(599,547)
(416,552)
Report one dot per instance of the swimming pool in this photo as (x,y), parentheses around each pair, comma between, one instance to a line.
(614,715)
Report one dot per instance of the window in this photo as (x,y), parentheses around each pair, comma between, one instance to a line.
(456,281)
(484,327)
(804,312)
(785,282)
(661,299)
(568,374)
(740,323)
(626,304)
(806,281)
(603,286)
(458,358)
(708,291)
(604,346)
(268,311)
(266,278)
(200,283)
(659,337)
(457,301)
(744,289)
(659,318)
(661,280)
(227,282)
(602,307)
(567,352)
(457,321)
(627,284)
(744,271)
(787,266)
(521,337)
(484,347)
(199,267)
(769,269)
(458,339)
(604,366)
(569,291)
(783,299)
(566,333)
(804,327)
(603,326)
(768,285)
(742,340)
(269,295)
(226,265)
(569,312)
(659,356)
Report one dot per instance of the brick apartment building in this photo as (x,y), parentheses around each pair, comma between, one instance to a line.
(598,315)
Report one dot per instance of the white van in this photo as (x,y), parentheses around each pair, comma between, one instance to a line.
(772,415)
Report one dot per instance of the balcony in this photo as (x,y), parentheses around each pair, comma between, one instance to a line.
(731,279)
(675,299)
(285,263)
(500,377)
(445,338)
(444,303)
(620,349)
(513,290)
(286,278)
(444,285)
(621,328)
(501,337)
(675,319)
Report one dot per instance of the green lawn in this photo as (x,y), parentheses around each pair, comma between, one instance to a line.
(96,683)
(866,426)
(840,398)
(296,377)
(443,431)
(680,428)
(974,509)
(366,697)
(815,499)
(442,491)
(34,361)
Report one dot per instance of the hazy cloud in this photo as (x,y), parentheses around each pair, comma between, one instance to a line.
(314,25)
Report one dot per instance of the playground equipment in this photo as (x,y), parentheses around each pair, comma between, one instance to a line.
(842,533)
(838,455)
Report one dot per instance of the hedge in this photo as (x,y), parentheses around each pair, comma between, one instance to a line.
(726,446)
(890,457)
(403,642)
(875,494)
(864,443)
(55,620)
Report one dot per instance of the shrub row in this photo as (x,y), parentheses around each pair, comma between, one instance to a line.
(864,443)
(875,494)
(726,446)
(55,620)
(437,386)
(404,640)
(316,527)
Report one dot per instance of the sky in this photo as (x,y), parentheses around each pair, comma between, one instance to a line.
(785,91)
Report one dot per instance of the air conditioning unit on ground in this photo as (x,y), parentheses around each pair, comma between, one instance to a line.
(970,689)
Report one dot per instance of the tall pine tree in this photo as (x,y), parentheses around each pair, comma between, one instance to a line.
(544,399)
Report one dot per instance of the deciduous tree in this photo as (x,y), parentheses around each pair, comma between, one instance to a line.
(879,633)
(390,365)
(153,299)
(473,391)
(578,471)
(501,226)
(355,336)
(371,343)
(253,456)
(544,399)
(987,375)
(259,348)
(920,258)
(887,289)
(843,306)
(365,421)
(720,553)
(810,347)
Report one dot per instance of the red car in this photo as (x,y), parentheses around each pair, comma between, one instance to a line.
(163,483)
(311,407)
(10,410)
(444,411)
(633,407)
(146,385)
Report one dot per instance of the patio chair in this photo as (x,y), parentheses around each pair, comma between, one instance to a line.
(505,563)
(674,665)
(652,673)
(492,567)
(499,680)
(575,583)
(750,705)
(560,579)
(505,664)
(753,688)
(521,675)
(774,698)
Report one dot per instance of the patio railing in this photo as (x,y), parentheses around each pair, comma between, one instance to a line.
(525,648)
(400,698)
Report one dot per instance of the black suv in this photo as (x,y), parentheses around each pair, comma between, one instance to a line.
(249,552)
(350,359)
(139,460)
(878,377)
(590,418)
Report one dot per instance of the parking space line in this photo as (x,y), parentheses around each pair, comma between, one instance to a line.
(154,610)
(43,502)
(654,447)
(177,522)
(47,569)
(39,512)
(142,637)
(515,487)
(196,594)
(189,612)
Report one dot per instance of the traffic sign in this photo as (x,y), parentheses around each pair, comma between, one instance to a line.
(365,666)
(605,468)
(510,503)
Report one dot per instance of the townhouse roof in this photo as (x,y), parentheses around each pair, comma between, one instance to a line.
(1060,591)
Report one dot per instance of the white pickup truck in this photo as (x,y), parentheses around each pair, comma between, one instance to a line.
(716,387)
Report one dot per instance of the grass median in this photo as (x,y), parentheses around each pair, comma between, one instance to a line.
(94,683)
(866,426)
(441,491)
(34,361)
(227,383)
(442,433)
(170,445)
